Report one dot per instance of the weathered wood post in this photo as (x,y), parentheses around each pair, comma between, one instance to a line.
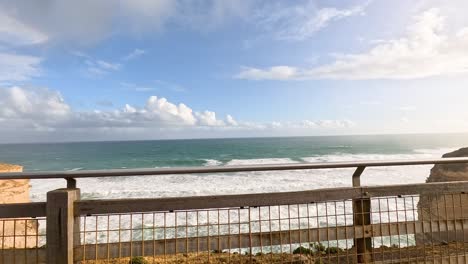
(362,217)
(62,228)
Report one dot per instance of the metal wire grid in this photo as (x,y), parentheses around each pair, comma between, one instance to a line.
(420,229)
(404,230)
(22,240)
(273,234)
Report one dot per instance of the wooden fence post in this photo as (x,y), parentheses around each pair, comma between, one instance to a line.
(61,225)
(362,217)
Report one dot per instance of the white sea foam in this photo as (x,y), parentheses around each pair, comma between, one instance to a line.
(212,162)
(75,169)
(248,182)
(260,161)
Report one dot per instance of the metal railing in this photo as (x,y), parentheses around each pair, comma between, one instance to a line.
(412,223)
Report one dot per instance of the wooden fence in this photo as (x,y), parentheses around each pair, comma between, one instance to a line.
(358,224)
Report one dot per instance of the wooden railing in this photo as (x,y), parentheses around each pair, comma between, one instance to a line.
(68,230)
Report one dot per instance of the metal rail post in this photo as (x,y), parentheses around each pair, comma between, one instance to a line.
(362,217)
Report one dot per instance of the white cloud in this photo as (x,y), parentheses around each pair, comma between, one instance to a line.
(36,21)
(17,102)
(108,65)
(169,112)
(335,123)
(307,124)
(231,121)
(428,49)
(208,118)
(23,21)
(98,67)
(15,67)
(42,110)
(299,22)
(81,22)
(129,109)
(37,109)
(13,32)
(272,73)
(137,88)
(143,15)
(46,107)
(134,54)
(63,21)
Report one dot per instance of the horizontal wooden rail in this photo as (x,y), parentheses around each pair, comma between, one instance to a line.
(18,210)
(116,206)
(122,206)
(23,255)
(223,169)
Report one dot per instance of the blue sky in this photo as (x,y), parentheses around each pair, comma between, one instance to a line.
(93,70)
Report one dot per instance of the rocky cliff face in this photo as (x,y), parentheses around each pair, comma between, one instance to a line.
(450,208)
(15,232)
(450,172)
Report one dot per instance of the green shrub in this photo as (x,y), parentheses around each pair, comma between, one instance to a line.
(318,247)
(303,250)
(138,260)
(333,250)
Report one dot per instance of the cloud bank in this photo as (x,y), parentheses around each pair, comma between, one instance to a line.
(40,110)
(428,49)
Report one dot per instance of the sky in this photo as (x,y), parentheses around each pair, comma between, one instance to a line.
(166,69)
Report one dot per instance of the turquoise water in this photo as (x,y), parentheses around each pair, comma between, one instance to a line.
(199,152)
(219,152)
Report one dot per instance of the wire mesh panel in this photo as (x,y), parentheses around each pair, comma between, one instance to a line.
(401,229)
(265,234)
(420,228)
(22,240)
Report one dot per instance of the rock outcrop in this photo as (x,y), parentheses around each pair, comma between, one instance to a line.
(18,233)
(450,208)
(450,172)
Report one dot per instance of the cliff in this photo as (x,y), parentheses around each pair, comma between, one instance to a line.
(450,172)
(448,207)
(18,232)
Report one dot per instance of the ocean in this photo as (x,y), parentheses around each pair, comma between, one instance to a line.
(220,152)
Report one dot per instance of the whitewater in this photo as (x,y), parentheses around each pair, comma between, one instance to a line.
(249,182)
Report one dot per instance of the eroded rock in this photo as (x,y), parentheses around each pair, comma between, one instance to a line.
(445,209)
(18,233)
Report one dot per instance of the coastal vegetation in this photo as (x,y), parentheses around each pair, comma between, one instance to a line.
(324,255)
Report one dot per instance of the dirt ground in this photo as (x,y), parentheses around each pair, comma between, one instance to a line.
(415,254)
